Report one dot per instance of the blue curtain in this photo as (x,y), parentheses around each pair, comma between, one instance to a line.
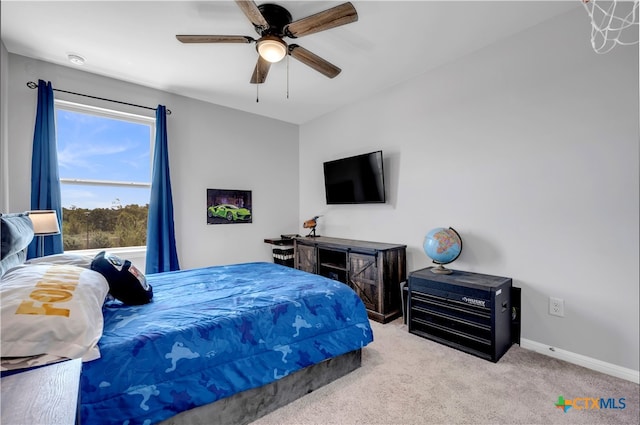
(161,239)
(45,180)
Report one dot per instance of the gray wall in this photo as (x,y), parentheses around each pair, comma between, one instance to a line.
(529,148)
(209,147)
(4,134)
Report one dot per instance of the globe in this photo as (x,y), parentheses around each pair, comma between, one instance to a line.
(443,246)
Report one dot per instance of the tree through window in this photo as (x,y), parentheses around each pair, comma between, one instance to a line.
(104,160)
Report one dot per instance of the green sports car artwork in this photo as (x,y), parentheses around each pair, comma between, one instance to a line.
(230,212)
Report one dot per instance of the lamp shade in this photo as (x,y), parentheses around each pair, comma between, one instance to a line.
(271,48)
(45,222)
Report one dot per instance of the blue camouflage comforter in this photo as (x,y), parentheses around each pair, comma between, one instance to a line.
(212,332)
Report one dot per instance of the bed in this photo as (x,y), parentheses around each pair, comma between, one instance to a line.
(221,344)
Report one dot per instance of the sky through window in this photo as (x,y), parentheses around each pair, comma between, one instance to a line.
(98,148)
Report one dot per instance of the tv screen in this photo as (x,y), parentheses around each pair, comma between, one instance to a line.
(355,180)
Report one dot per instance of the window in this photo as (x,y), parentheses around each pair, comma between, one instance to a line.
(104,161)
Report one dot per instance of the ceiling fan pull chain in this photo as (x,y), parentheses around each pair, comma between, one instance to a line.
(287,76)
(257,84)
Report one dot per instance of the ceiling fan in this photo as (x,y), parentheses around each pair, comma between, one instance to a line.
(273,23)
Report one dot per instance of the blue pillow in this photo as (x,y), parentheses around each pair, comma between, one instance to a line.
(17,233)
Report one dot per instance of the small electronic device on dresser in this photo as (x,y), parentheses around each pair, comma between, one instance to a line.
(476,313)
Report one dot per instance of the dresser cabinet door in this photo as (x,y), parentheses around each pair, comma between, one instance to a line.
(363,278)
(306,258)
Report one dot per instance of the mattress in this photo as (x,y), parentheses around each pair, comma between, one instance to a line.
(212,332)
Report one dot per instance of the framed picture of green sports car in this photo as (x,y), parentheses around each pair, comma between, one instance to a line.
(228,206)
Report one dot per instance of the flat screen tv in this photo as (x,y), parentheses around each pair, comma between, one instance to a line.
(355,180)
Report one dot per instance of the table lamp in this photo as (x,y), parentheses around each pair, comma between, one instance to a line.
(45,223)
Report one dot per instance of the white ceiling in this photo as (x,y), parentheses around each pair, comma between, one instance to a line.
(135,41)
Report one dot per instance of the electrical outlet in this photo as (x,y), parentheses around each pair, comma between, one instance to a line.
(556,306)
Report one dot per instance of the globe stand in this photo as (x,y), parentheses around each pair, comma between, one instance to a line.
(440,269)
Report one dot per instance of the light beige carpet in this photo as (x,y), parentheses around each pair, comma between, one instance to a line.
(405,379)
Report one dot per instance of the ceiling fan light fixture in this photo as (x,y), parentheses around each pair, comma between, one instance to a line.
(271,48)
(76,59)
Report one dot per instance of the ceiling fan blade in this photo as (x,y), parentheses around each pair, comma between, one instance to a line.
(314,61)
(260,72)
(252,12)
(330,18)
(214,38)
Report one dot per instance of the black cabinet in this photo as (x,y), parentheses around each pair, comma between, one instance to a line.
(467,311)
(373,270)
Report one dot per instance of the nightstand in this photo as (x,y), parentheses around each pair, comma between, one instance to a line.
(46,395)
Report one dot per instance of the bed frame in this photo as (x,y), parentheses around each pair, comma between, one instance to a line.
(247,406)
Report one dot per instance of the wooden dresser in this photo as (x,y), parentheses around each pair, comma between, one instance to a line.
(373,270)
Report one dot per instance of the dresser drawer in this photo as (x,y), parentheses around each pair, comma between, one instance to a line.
(447,307)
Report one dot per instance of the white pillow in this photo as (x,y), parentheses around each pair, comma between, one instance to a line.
(68,259)
(50,309)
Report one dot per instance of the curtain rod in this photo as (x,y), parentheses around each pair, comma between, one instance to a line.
(33,85)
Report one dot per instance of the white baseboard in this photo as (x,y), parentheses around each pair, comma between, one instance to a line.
(580,360)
